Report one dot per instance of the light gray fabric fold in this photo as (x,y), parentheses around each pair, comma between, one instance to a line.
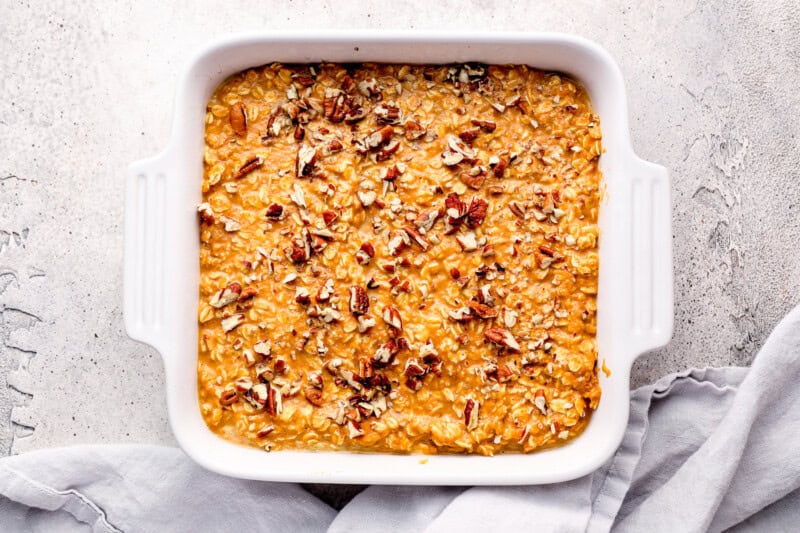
(705,450)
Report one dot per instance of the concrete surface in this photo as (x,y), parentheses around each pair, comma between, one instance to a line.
(86,89)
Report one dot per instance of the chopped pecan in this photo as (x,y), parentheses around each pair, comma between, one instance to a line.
(302,296)
(462,314)
(387,113)
(354,429)
(265,431)
(314,396)
(326,291)
(379,137)
(334,105)
(398,241)
(226,295)
(249,166)
(205,213)
(369,87)
(486,125)
(303,79)
(455,273)
(248,293)
(468,241)
(502,337)
(238,119)
(306,159)
(274,401)
(392,173)
(299,133)
(329,217)
(482,310)
(232,322)
(517,208)
(263,348)
(365,253)
(425,220)
(359,301)
(392,318)
(457,152)
(354,114)
(367,198)
(469,135)
(275,212)
(473,182)
(334,146)
(540,401)
(230,224)
(417,238)
(476,212)
(228,397)
(471,414)
(387,151)
(385,353)
(499,165)
(547,251)
(348,84)
(365,323)
(413,368)
(414,130)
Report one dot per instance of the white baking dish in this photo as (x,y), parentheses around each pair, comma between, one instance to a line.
(162,265)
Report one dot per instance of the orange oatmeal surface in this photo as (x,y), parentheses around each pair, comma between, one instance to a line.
(399,258)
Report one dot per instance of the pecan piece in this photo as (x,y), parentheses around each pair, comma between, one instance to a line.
(226,295)
(414,130)
(540,401)
(232,322)
(498,164)
(398,241)
(205,213)
(248,166)
(486,125)
(379,137)
(302,296)
(392,318)
(482,310)
(228,397)
(387,113)
(471,414)
(462,314)
(275,212)
(359,301)
(329,217)
(365,253)
(306,159)
(427,219)
(502,337)
(385,353)
(417,238)
(326,291)
(469,135)
(238,119)
(476,212)
(517,208)
(314,396)
(467,241)
(473,182)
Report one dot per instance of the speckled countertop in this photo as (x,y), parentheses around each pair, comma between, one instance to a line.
(713,96)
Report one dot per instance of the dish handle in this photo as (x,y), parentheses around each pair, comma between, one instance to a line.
(145,213)
(652,256)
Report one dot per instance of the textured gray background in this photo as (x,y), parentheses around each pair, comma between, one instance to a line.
(86,89)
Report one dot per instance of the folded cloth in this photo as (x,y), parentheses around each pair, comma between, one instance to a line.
(705,450)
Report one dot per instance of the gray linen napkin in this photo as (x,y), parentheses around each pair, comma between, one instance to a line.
(705,450)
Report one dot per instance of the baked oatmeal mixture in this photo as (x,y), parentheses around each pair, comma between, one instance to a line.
(399,258)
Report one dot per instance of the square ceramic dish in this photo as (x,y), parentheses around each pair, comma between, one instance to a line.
(162,248)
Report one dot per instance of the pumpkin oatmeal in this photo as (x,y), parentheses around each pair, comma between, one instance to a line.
(399,258)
